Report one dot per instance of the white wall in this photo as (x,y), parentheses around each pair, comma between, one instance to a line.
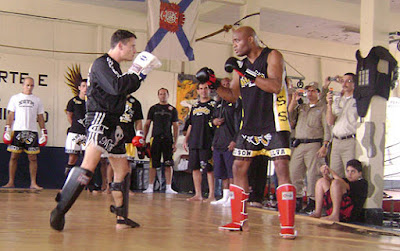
(57,25)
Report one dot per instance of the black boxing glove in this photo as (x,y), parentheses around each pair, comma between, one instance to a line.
(206,75)
(237,65)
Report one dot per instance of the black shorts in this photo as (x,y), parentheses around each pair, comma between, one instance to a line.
(161,146)
(200,159)
(274,144)
(26,141)
(105,132)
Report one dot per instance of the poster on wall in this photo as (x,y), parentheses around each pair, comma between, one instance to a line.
(186,95)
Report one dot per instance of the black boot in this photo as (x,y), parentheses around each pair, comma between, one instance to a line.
(77,179)
(299,204)
(309,209)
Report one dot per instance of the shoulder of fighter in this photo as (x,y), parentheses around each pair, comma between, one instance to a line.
(197,103)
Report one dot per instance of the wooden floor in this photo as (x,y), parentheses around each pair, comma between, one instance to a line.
(168,223)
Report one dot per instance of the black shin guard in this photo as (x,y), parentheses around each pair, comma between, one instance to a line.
(77,179)
(124,209)
(68,169)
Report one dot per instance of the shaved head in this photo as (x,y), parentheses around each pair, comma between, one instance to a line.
(244,40)
(247,31)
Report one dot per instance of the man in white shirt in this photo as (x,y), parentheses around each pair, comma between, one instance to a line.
(341,113)
(21,134)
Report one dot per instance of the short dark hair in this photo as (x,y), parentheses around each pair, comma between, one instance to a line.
(121,36)
(352,75)
(162,88)
(83,80)
(356,164)
(200,83)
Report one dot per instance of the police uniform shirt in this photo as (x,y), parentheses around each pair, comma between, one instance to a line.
(311,121)
(132,113)
(162,116)
(226,133)
(345,110)
(263,111)
(200,117)
(78,107)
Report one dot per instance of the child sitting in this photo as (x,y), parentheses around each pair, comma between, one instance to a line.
(343,199)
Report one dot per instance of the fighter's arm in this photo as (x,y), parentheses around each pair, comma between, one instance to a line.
(232,93)
(147,128)
(175,128)
(139,125)
(185,143)
(10,118)
(273,83)
(69,117)
(40,119)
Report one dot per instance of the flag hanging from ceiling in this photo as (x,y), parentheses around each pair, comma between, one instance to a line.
(171,28)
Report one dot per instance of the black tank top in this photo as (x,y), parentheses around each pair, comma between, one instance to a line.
(263,112)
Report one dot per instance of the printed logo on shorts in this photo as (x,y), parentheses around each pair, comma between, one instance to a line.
(287,196)
(278,152)
(242,153)
(256,140)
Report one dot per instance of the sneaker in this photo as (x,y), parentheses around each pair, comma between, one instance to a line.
(309,209)
(148,190)
(170,191)
(227,203)
(219,202)
(255,204)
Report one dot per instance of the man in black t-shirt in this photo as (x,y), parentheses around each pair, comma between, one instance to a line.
(131,122)
(76,138)
(106,96)
(226,119)
(198,140)
(163,116)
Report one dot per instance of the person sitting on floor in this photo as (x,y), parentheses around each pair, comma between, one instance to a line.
(343,199)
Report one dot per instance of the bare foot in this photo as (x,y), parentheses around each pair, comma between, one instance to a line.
(245,227)
(122,226)
(195,198)
(209,199)
(35,186)
(315,215)
(8,185)
(330,218)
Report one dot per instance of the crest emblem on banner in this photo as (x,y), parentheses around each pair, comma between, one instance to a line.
(171,17)
(171,28)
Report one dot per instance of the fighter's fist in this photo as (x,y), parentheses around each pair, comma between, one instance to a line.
(237,65)
(144,63)
(206,75)
(43,138)
(7,137)
(138,140)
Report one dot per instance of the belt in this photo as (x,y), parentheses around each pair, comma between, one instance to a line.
(345,137)
(304,141)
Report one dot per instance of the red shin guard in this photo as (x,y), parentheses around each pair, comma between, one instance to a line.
(286,195)
(238,207)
